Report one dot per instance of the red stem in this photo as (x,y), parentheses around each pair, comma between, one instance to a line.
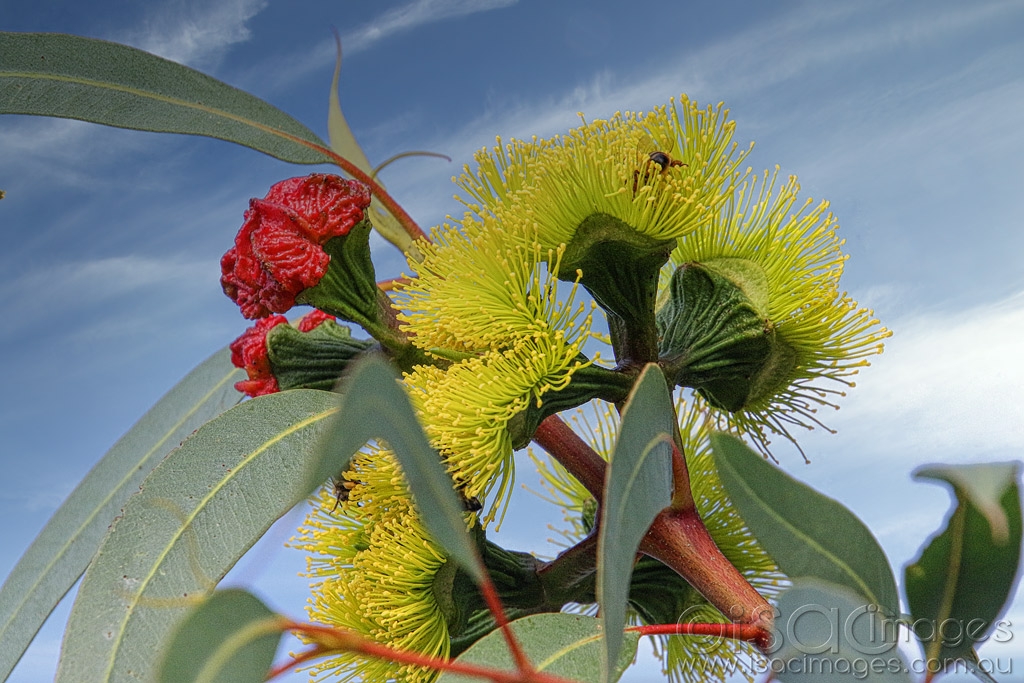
(745,632)
(329,639)
(677,538)
(566,446)
(682,493)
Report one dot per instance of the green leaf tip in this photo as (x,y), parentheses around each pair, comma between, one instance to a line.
(983,485)
(963,577)
(374,405)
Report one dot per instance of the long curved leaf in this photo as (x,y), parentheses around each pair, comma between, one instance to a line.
(344,143)
(565,645)
(805,532)
(638,485)
(52,74)
(60,553)
(197,513)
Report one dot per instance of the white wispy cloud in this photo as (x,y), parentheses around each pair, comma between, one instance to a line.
(67,288)
(413,15)
(948,385)
(198,34)
(285,70)
(751,66)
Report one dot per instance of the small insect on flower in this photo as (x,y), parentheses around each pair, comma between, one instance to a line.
(470,503)
(341,486)
(648,153)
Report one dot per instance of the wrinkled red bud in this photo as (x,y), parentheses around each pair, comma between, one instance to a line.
(249,352)
(312,320)
(277,252)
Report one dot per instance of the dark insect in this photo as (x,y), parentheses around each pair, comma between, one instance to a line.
(471,503)
(342,487)
(648,154)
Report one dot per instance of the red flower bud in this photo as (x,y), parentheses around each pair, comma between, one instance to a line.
(249,352)
(312,320)
(277,252)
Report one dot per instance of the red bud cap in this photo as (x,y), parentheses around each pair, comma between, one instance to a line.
(249,352)
(278,250)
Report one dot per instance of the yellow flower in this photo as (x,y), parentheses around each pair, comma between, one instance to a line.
(478,290)
(469,410)
(606,167)
(375,566)
(688,659)
(492,306)
(789,264)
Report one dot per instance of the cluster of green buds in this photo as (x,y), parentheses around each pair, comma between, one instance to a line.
(645,223)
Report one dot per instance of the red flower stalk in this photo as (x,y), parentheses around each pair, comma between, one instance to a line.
(278,250)
(250,353)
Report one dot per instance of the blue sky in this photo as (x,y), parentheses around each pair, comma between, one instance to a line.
(904,114)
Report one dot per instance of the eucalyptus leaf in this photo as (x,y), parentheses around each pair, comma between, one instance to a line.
(52,74)
(566,645)
(67,543)
(806,533)
(963,577)
(195,516)
(231,637)
(374,406)
(344,143)
(638,485)
(825,633)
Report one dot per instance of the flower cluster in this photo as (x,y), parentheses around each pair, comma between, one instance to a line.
(487,303)
(278,252)
(612,167)
(649,215)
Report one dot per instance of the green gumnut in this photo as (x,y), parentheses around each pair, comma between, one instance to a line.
(348,289)
(620,268)
(715,337)
(314,359)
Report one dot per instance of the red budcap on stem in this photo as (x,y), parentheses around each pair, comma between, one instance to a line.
(278,250)
(249,352)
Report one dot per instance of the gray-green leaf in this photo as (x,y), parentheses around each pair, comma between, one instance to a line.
(959,584)
(60,553)
(344,143)
(230,638)
(824,633)
(195,516)
(805,532)
(566,645)
(52,74)
(638,485)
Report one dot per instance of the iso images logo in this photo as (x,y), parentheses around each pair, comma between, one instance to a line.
(824,631)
